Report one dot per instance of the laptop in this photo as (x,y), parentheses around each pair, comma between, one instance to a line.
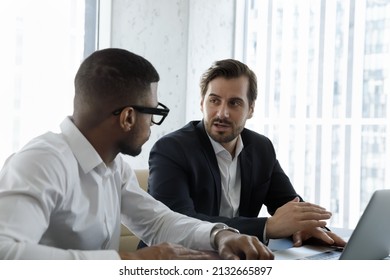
(369,241)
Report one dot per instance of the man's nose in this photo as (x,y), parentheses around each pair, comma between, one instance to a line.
(223,111)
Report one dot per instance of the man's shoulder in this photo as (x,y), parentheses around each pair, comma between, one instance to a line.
(47,141)
(250,135)
(47,150)
(50,142)
(45,157)
(255,143)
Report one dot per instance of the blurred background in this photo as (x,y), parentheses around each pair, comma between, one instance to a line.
(322,68)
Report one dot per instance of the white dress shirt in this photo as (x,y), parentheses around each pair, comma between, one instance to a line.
(230,178)
(231,181)
(58,200)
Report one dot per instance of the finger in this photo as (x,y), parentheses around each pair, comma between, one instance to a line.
(179,252)
(228,255)
(308,224)
(253,250)
(311,205)
(323,236)
(188,252)
(320,234)
(192,256)
(182,253)
(296,199)
(316,211)
(313,208)
(313,216)
(297,239)
(263,252)
(338,241)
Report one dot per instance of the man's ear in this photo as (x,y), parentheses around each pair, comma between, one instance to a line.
(127,119)
(251,110)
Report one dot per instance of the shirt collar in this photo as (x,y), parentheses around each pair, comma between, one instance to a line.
(218,148)
(84,152)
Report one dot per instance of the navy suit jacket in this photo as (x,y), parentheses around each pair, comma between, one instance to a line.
(184,175)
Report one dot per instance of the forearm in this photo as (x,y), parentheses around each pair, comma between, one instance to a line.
(11,250)
(246,225)
(155,223)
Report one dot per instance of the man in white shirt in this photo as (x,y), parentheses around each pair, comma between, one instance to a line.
(64,196)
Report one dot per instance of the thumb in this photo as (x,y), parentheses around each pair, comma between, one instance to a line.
(296,199)
(297,239)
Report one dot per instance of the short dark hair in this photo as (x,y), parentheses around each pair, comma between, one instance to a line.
(114,75)
(230,68)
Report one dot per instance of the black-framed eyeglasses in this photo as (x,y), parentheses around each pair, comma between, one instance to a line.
(159,113)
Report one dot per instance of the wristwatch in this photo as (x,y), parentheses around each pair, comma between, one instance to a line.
(217,229)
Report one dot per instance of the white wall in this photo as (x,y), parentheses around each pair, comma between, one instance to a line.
(181,38)
(210,38)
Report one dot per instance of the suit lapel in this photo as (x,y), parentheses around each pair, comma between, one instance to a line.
(245,162)
(211,160)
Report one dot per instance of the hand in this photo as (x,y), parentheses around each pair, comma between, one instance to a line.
(319,234)
(233,246)
(295,216)
(167,251)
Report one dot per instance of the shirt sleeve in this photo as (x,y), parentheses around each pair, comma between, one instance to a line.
(153,222)
(27,199)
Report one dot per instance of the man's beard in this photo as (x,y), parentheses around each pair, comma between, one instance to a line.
(131,151)
(222,137)
(127,147)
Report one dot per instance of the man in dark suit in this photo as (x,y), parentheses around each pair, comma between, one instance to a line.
(217,170)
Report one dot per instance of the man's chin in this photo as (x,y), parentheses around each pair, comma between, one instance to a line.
(132,153)
(222,137)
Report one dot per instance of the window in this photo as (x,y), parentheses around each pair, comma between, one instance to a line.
(324,82)
(43,43)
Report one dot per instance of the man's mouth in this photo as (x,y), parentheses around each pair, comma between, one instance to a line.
(221,125)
